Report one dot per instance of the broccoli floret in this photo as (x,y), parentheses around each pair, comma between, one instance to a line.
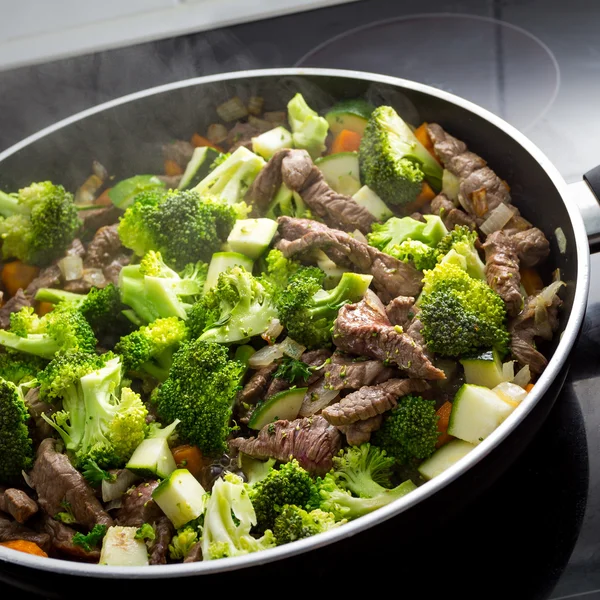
(153,290)
(389,235)
(230,180)
(184,227)
(63,328)
(308,311)
(183,541)
(145,532)
(99,420)
(287,203)
(419,254)
(278,269)
(393,163)
(410,430)
(228,519)
(309,130)
(459,247)
(460,314)
(40,222)
(19,367)
(15,444)
(238,307)
(294,523)
(151,347)
(91,540)
(289,484)
(200,391)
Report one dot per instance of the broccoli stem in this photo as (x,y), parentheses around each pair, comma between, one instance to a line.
(55,296)
(9,205)
(39,344)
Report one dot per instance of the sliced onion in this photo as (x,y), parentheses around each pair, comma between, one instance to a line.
(510,392)
(359,235)
(273,331)
(71,267)
(508,370)
(498,218)
(95,277)
(292,348)
(523,377)
(317,398)
(112,490)
(99,170)
(114,504)
(561,240)
(27,479)
(265,356)
(450,185)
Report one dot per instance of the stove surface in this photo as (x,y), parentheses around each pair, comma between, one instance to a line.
(536,532)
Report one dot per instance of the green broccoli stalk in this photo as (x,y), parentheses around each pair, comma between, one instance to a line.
(40,222)
(289,484)
(459,247)
(389,235)
(232,177)
(19,367)
(150,349)
(64,328)
(200,391)
(410,430)
(393,163)
(309,130)
(294,523)
(99,420)
(15,443)
(153,290)
(419,254)
(238,307)
(461,315)
(228,520)
(90,540)
(308,311)
(184,227)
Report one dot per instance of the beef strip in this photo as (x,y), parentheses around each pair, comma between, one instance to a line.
(39,427)
(112,270)
(359,432)
(60,487)
(61,537)
(95,218)
(502,270)
(531,246)
(399,310)
(105,245)
(451,215)
(391,277)
(364,329)
(414,329)
(278,384)
(241,134)
(11,530)
(14,304)
(348,373)
(256,387)
(159,547)
(315,358)
(179,152)
(311,440)
(370,401)
(296,169)
(195,553)
(138,507)
(537,320)
(480,189)
(18,504)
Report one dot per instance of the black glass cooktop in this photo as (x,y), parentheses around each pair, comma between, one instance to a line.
(536,532)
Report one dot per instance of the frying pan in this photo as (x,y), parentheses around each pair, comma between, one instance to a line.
(126,134)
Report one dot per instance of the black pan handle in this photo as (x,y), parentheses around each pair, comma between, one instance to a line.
(586,195)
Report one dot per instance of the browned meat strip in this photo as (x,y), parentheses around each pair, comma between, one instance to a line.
(195,553)
(159,548)
(179,152)
(277,385)
(531,246)
(371,401)
(537,320)
(257,385)
(61,537)
(14,304)
(349,373)
(315,358)
(95,218)
(391,277)
(36,407)
(241,134)
(480,190)
(105,245)
(312,441)
(138,507)
(296,169)
(359,432)
(451,215)
(59,485)
(414,330)
(399,310)
(112,270)
(363,329)
(11,530)
(18,504)
(502,270)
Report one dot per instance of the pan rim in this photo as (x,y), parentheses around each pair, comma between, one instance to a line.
(426,490)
